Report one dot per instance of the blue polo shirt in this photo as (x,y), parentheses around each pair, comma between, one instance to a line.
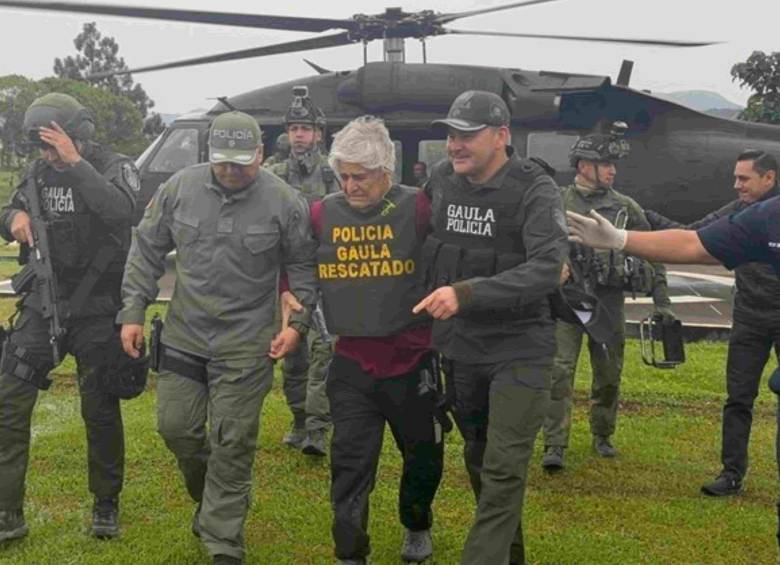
(752,235)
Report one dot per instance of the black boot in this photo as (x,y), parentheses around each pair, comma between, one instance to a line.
(105,518)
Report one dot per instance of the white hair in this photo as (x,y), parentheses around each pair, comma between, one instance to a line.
(364,141)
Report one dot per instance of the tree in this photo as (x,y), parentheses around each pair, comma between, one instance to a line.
(16,93)
(761,72)
(98,53)
(118,121)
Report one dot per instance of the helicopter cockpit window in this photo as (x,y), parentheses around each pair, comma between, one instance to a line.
(431,151)
(552,147)
(143,157)
(179,150)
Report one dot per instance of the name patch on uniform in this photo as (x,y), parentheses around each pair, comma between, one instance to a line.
(471,220)
(58,199)
(364,252)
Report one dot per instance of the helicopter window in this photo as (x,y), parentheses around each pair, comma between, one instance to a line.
(143,157)
(431,151)
(179,150)
(552,147)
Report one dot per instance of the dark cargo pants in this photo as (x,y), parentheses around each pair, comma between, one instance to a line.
(216,462)
(101,412)
(606,364)
(498,415)
(361,406)
(749,349)
(305,372)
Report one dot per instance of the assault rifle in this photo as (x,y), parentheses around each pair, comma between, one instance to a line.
(38,274)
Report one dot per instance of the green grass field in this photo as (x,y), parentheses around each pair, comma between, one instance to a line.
(643,507)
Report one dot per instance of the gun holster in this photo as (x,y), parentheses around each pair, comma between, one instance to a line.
(155,343)
(20,363)
(164,358)
(652,330)
(429,388)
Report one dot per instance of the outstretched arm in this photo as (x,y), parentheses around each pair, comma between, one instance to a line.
(669,246)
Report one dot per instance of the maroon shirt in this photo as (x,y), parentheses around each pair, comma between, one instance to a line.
(387,356)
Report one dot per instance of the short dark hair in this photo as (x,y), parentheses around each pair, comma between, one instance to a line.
(762,161)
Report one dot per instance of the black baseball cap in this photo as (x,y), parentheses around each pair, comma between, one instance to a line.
(474,110)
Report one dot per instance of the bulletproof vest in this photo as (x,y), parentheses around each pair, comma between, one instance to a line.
(312,177)
(76,233)
(367,265)
(477,234)
(611,268)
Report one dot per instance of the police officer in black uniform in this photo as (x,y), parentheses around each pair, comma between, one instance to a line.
(495,253)
(87,196)
(756,325)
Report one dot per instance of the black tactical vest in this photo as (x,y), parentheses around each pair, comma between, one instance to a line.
(477,234)
(367,265)
(76,233)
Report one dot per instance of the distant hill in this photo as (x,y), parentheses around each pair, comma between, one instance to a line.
(705,101)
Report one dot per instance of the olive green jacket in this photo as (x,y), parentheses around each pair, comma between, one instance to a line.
(230,248)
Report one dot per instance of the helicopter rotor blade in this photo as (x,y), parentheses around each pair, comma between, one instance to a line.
(287,23)
(654,42)
(447,18)
(334,40)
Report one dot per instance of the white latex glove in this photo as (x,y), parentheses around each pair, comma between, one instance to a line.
(595,231)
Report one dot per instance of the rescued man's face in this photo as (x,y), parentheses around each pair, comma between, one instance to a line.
(363,188)
(302,137)
(472,152)
(749,184)
(234,176)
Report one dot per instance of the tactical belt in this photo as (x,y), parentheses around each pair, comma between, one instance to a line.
(184,364)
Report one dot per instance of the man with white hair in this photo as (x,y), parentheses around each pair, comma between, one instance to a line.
(370,236)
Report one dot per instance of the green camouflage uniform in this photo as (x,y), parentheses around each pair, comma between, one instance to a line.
(305,370)
(606,361)
(230,247)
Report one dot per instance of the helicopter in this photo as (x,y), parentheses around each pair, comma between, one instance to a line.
(680,163)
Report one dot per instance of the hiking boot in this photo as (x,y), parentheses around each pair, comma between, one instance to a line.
(12,525)
(105,518)
(603,447)
(314,444)
(418,546)
(553,458)
(725,484)
(196,521)
(295,437)
(226,560)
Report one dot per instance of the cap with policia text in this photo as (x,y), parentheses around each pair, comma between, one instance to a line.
(234,138)
(476,109)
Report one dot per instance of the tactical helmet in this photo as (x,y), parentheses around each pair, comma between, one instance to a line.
(601,147)
(121,375)
(303,111)
(63,109)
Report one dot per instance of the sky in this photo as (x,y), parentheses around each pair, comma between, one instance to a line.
(30,40)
